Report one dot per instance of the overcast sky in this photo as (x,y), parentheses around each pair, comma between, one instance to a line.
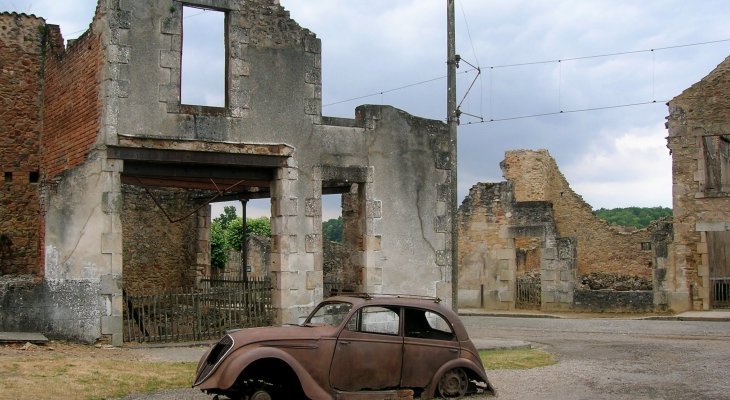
(614,157)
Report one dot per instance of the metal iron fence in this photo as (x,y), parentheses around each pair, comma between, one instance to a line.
(206,312)
(720,296)
(529,293)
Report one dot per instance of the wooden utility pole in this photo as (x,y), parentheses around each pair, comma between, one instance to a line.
(453,121)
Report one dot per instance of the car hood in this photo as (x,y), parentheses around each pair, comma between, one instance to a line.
(285,333)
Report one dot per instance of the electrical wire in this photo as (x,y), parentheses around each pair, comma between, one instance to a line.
(653,50)
(567,112)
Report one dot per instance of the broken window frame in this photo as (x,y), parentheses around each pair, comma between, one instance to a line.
(716,158)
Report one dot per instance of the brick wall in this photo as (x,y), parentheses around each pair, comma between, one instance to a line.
(72,102)
(601,247)
(21,82)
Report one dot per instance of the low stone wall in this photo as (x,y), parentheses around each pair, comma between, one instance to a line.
(613,301)
(59,309)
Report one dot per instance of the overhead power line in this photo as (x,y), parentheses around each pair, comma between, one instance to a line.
(567,112)
(556,60)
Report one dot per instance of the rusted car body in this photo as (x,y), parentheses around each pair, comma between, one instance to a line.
(351,346)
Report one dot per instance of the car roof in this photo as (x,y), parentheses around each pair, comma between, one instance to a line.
(416,301)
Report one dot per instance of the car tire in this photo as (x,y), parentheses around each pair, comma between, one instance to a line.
(260,394)
(453,384)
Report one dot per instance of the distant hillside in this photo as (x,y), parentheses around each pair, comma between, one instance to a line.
(638,217)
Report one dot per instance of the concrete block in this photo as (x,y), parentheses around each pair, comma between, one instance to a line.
(169,59)
(548,254)
(312,207)
(111,284)
(111,243)
(314,279)
(374,209)
(313,243)
(548,296)
(111,324)
(712,226)
(374,243)
(111,202)
(567,276)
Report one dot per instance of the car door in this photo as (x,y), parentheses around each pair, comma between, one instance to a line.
(428,342)
(369,351)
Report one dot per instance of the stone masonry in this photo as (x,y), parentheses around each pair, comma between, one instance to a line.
(95,143)
(699,137)
(535,223)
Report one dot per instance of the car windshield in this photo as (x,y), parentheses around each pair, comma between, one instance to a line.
(330,313)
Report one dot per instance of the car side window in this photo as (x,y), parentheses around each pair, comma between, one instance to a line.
(374,319)
(427,325)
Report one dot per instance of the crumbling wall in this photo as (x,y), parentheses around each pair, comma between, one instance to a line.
(258,254)
(21,96)
(534,225)
(698,119)
(600,246)
(502,241)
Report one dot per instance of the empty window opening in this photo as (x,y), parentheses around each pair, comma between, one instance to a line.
(33,177)
(8,176)
(717,163)
(227,239)
(203,69)
(332,247)
(343,238)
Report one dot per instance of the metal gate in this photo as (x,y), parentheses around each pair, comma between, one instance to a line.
(718,247)
(529,292)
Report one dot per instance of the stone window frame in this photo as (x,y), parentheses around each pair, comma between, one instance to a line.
(237,67)
(713,171)
(186,108)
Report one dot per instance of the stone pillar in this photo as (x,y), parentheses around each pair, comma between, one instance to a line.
(292,260)
(558,274)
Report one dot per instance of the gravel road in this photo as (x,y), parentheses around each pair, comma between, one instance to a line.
(597,359)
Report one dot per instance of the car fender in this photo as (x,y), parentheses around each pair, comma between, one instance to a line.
(240,359)
(430,390)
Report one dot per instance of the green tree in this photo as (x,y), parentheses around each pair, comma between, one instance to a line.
(638,217)
(228,215)
(218,246)
(332,230)
(255,226)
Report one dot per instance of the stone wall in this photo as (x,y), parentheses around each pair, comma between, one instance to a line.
(601,246)
(21,95)
(534,223)
(699,120)
(157,252)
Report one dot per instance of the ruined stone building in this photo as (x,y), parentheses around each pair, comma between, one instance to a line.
(534,225)
(107,175)
(698,277)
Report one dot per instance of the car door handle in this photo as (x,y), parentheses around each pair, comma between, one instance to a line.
(454,350)
(343,342)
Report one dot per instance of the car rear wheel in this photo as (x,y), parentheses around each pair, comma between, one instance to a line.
(260,395)
(454,383)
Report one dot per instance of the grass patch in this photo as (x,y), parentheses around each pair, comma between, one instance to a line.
(81,377)
(516,359)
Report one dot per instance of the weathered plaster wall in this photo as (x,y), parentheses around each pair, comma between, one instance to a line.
(127,74)
(701,111)
(536,177)
(21,96)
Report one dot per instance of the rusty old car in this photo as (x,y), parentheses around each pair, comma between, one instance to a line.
(351,346)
